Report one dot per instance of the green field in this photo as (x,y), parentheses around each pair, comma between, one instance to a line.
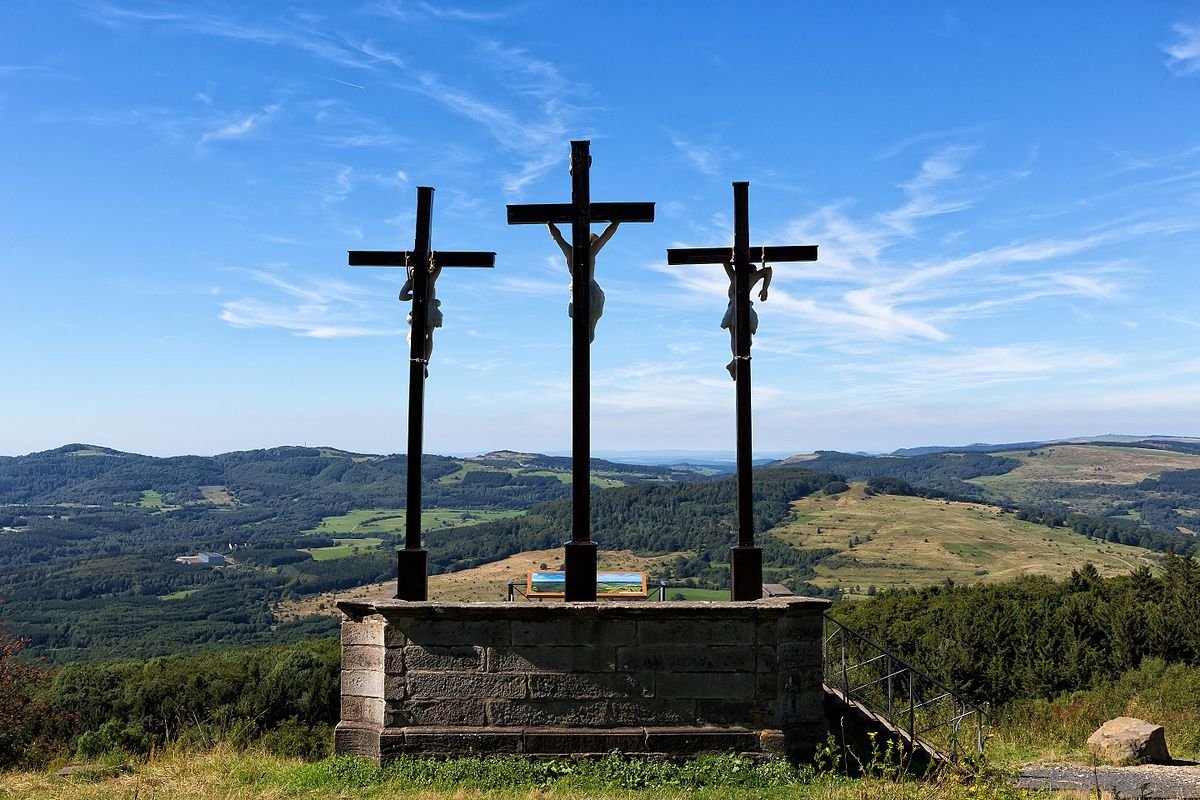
(343,549)
(697,594)
(564,475)
(181,595)
(1073,473)
(891,541)
(390,521)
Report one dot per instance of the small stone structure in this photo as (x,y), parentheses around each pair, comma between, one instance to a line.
(1128,740)
(675,679)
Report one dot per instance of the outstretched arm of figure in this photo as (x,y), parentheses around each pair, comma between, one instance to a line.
(562,243)
(433,275)
(604,237)
(766,273)
(729,273)
(406,290)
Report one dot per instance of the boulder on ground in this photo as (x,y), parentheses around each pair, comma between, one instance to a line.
(1126,740)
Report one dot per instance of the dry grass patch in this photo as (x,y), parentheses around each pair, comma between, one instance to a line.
(891,541)
(488,582)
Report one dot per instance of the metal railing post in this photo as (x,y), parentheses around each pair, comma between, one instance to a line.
(510,590)
(889,685)
(912,709)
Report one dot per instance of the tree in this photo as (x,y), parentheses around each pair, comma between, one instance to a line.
(19,682)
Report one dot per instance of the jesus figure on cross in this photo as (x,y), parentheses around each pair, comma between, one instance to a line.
(596,294)
(728,321)
(433,317)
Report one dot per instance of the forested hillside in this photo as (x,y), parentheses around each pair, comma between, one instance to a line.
(89,537)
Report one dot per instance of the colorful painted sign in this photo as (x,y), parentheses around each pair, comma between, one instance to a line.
(608,584)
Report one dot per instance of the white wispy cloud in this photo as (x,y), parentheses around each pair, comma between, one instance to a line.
(417,11)
(926,197)
(1183,54)
(708,159)
(318,308)
(240,127)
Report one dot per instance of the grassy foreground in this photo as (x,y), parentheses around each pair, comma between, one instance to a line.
(236,775)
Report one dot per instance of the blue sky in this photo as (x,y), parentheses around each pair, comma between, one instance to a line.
(1006,197)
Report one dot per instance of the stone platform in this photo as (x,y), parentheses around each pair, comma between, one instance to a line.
(674,679)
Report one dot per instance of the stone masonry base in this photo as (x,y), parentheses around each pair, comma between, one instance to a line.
(662,679)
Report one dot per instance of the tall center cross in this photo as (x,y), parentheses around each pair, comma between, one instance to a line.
(745,560)
(581,212)
(423,265)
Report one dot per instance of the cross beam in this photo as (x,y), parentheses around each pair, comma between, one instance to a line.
(745,560)
(580,552)
(423,265)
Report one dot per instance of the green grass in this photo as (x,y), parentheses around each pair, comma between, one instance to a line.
(231,774)
(390,521)
(151,499)
(1037,730)
(343,549)
(697,594)
(912,541)
(180,595)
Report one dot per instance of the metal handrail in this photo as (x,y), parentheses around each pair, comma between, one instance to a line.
(914,699)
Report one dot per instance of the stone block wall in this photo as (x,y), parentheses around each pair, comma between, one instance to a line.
(575,678)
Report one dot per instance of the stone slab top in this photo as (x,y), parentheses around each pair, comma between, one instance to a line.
(546,610)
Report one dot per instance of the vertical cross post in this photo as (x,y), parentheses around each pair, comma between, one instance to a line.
(580,552)
(579,560)
(423,264)
(412,563)
(745,559)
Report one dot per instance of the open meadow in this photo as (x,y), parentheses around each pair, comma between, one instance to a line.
(897,541)
(224,772)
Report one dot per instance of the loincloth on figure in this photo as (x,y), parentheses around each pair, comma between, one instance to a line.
(727,320)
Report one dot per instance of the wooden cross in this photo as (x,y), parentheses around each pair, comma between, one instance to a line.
(412,563)
(581,212)
(745,560)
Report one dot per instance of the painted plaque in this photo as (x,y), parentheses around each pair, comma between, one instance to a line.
(608,584)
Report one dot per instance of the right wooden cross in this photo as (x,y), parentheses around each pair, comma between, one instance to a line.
(745,560)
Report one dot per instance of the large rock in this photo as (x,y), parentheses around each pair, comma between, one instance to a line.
(1126,740)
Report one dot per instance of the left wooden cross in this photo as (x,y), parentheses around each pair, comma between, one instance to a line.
(423,265)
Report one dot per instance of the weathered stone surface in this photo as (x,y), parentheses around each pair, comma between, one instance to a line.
(591,685)
(438,741)
(748,713)
(731,685)
(367,710)
(546,713)
(368,632)
(682,632)
(551,659)
(359,740)
(682,658)
(479,685)
(435,657)
(362,682)
(701,740)
(793,655)
(362,657)
(1127,740)
(446,631)
(573,632)
(584,740)
(676,679)
(651,712)
(803,627)
(437,713)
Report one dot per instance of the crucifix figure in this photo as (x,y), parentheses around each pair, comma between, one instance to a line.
(422,267)
(581,212)
(745,560)
(595,243)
